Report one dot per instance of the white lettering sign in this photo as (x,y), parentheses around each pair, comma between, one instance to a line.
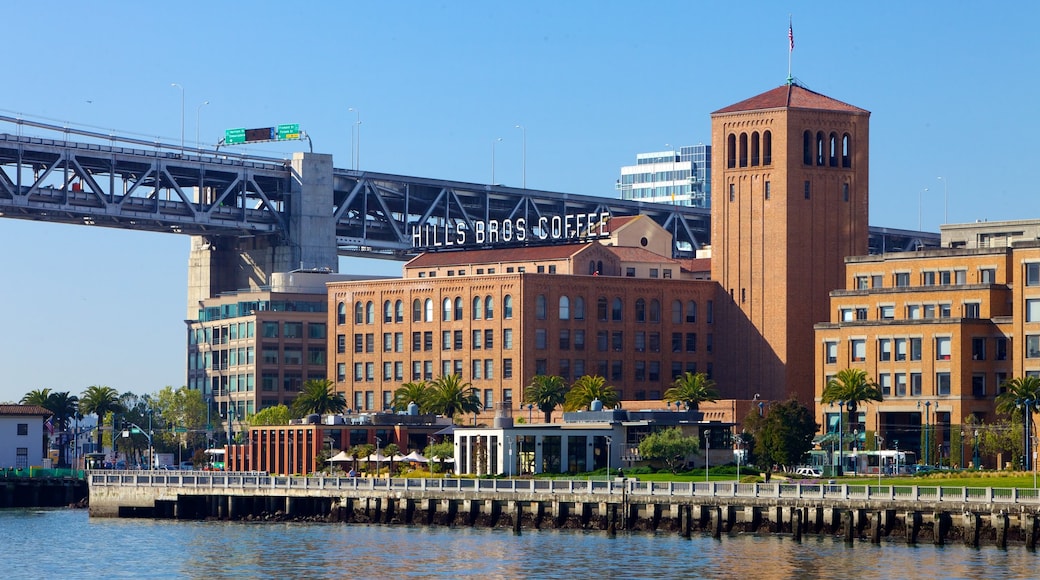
(567,227)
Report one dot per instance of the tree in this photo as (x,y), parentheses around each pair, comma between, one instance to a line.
(440,452)
(412,392)
(450,396)
(276,415)
(692,389)
(99,400)
(546,392)
(784,434)
(669,445)
(1020,393)
(181,408)
(318,396)
(36,397)
(390,451)
(359,452)
(587,389)
(65,407)
(854,388)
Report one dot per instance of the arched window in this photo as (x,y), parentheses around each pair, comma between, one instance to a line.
(399,311)
(429,310)
(539,307)
(416,310)
(370,312)
(833,146)
(820,152)
(592,267)
(807,148)
(599,267)
(754,149)
(565,308)
(655,311)
(640,310)
(601,309)
(767,148)
(507,307)
(446,314)
(579,308)
(341,316)
(458,308)
(359,313)
(731,151)
(489,308)
(615,310)
(846,159)
(676,311)
(388,312)
(691,311)
(478,307)
(743,149)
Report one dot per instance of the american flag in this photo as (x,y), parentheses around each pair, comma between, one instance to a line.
(49,425)
(790,36)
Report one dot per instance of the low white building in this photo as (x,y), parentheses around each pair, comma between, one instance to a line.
(21,436)
(585,441)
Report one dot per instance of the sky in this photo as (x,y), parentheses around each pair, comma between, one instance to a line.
(949,85)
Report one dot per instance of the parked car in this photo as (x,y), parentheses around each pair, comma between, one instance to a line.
(809,472)
(187,466)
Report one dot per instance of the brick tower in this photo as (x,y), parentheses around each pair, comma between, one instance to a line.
(789,203)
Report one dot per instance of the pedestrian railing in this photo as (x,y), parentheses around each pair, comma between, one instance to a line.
(204,481)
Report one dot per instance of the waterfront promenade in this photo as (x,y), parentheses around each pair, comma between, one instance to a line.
(861,511)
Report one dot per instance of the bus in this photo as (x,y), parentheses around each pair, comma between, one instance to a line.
(887,461)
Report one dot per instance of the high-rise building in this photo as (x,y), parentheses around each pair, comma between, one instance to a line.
(680,177)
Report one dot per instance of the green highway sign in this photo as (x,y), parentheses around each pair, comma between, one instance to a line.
(289,131)
(180,430)
(136,431)
(233,136)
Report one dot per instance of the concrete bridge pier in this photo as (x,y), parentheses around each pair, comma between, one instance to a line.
(796,524)
(848,526)
(716,522)
(518,515)
(941,527)
(875,528)
(1029,529)
(1001,523)
(912,524)
(971,524)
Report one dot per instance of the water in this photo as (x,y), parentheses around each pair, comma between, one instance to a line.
(66,543)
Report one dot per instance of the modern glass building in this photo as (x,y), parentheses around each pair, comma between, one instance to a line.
(680,177)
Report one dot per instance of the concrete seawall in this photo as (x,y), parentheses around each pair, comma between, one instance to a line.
(972,516)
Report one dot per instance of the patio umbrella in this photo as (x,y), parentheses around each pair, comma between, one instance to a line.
(416,457)
(341,457)
(377,457)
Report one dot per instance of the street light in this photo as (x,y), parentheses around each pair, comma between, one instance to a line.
(493,159)
(946,199)
(182,114)
(530,413)
(878,440)
(975,452)
(379,462)
(609,441)
(524,129)
(927,408)
(707,448)
(198,111)
(355,150)
(841,439)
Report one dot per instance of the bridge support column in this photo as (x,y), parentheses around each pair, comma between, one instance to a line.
(941,527)
(796,524)
(1001,523)
(913,526)
(1029,529)
(875,528)
(972,523)
(716,522)
(848,526)
(518,514)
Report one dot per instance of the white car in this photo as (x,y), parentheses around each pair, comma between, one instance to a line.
(809,472)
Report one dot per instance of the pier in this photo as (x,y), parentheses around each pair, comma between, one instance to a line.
(861,512)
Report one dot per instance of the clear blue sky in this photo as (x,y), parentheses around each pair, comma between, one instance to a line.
(951,87)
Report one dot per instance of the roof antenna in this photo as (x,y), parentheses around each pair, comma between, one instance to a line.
(790,48)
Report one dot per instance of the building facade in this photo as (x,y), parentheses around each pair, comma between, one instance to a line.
(939,331)
(790,176)
(680,177)
(21,436)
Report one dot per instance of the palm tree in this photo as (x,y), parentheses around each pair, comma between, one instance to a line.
(414,392)
(546,392)
(99,400)
(692,389)
(36,397)
(1017,391)
(854,388)
(449,396)
(65,407)
(587,389)
(319,396)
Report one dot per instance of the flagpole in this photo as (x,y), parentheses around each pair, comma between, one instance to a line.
(790,47)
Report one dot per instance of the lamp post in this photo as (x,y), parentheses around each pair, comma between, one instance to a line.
(379,462)
(854,448)
(530,413)
(878,440)
(355,150)
(524,129)
(198,113)
(924,448)
(493,159)
(841,439)
(707,448)
(609,441)
(182,114)
(1027,416)
(946,199)
(975,452)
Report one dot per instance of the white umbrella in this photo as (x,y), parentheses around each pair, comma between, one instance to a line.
(416,457)
(377,457)
(342,456)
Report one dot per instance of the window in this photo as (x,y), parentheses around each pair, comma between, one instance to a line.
(370,342)
(830,352)
(630,272)
(858,348)
(341,343)
(1033,310)
(429,310)
(446,310)
(489,338)
(691,311)
(913,311)
(416,341)
(978,385)
(915,384)
(900,349)
(478,368)
(767,188)
(944,311)
(579,308)
(978,348)
(446,340)
(1033,274)
(539,307)
(489,308)
(399,311)
(507,339)
(478,307)
(942,384)
(929,311)
(887,312)
(640,310)
(615,311)
(22,429)
(861,314)
(458,339)
(617,341)
(565,339)
(1032,346)
(398,342)
(862,283)
(884,349)
(640,342)
(416,310)
(942,348)
(565,308)
(458,308)
(359,313)
(928,278)
(341,314)
(359,343)
(885,382)
(902,279)
(428,340)
(579,340)
(971,310)
(539,339)
(900,384)
(601,309)
(1001,350)
(915,349)
(507,368)
(676,312)
(691,342)
(388,312)
(876,281)
(654,272)
(988,275)
(478,339)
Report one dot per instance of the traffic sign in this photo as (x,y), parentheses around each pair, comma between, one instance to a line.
(136,431)
(233,136)
(180,429)
(288,131)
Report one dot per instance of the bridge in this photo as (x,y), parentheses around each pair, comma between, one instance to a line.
(261,215)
